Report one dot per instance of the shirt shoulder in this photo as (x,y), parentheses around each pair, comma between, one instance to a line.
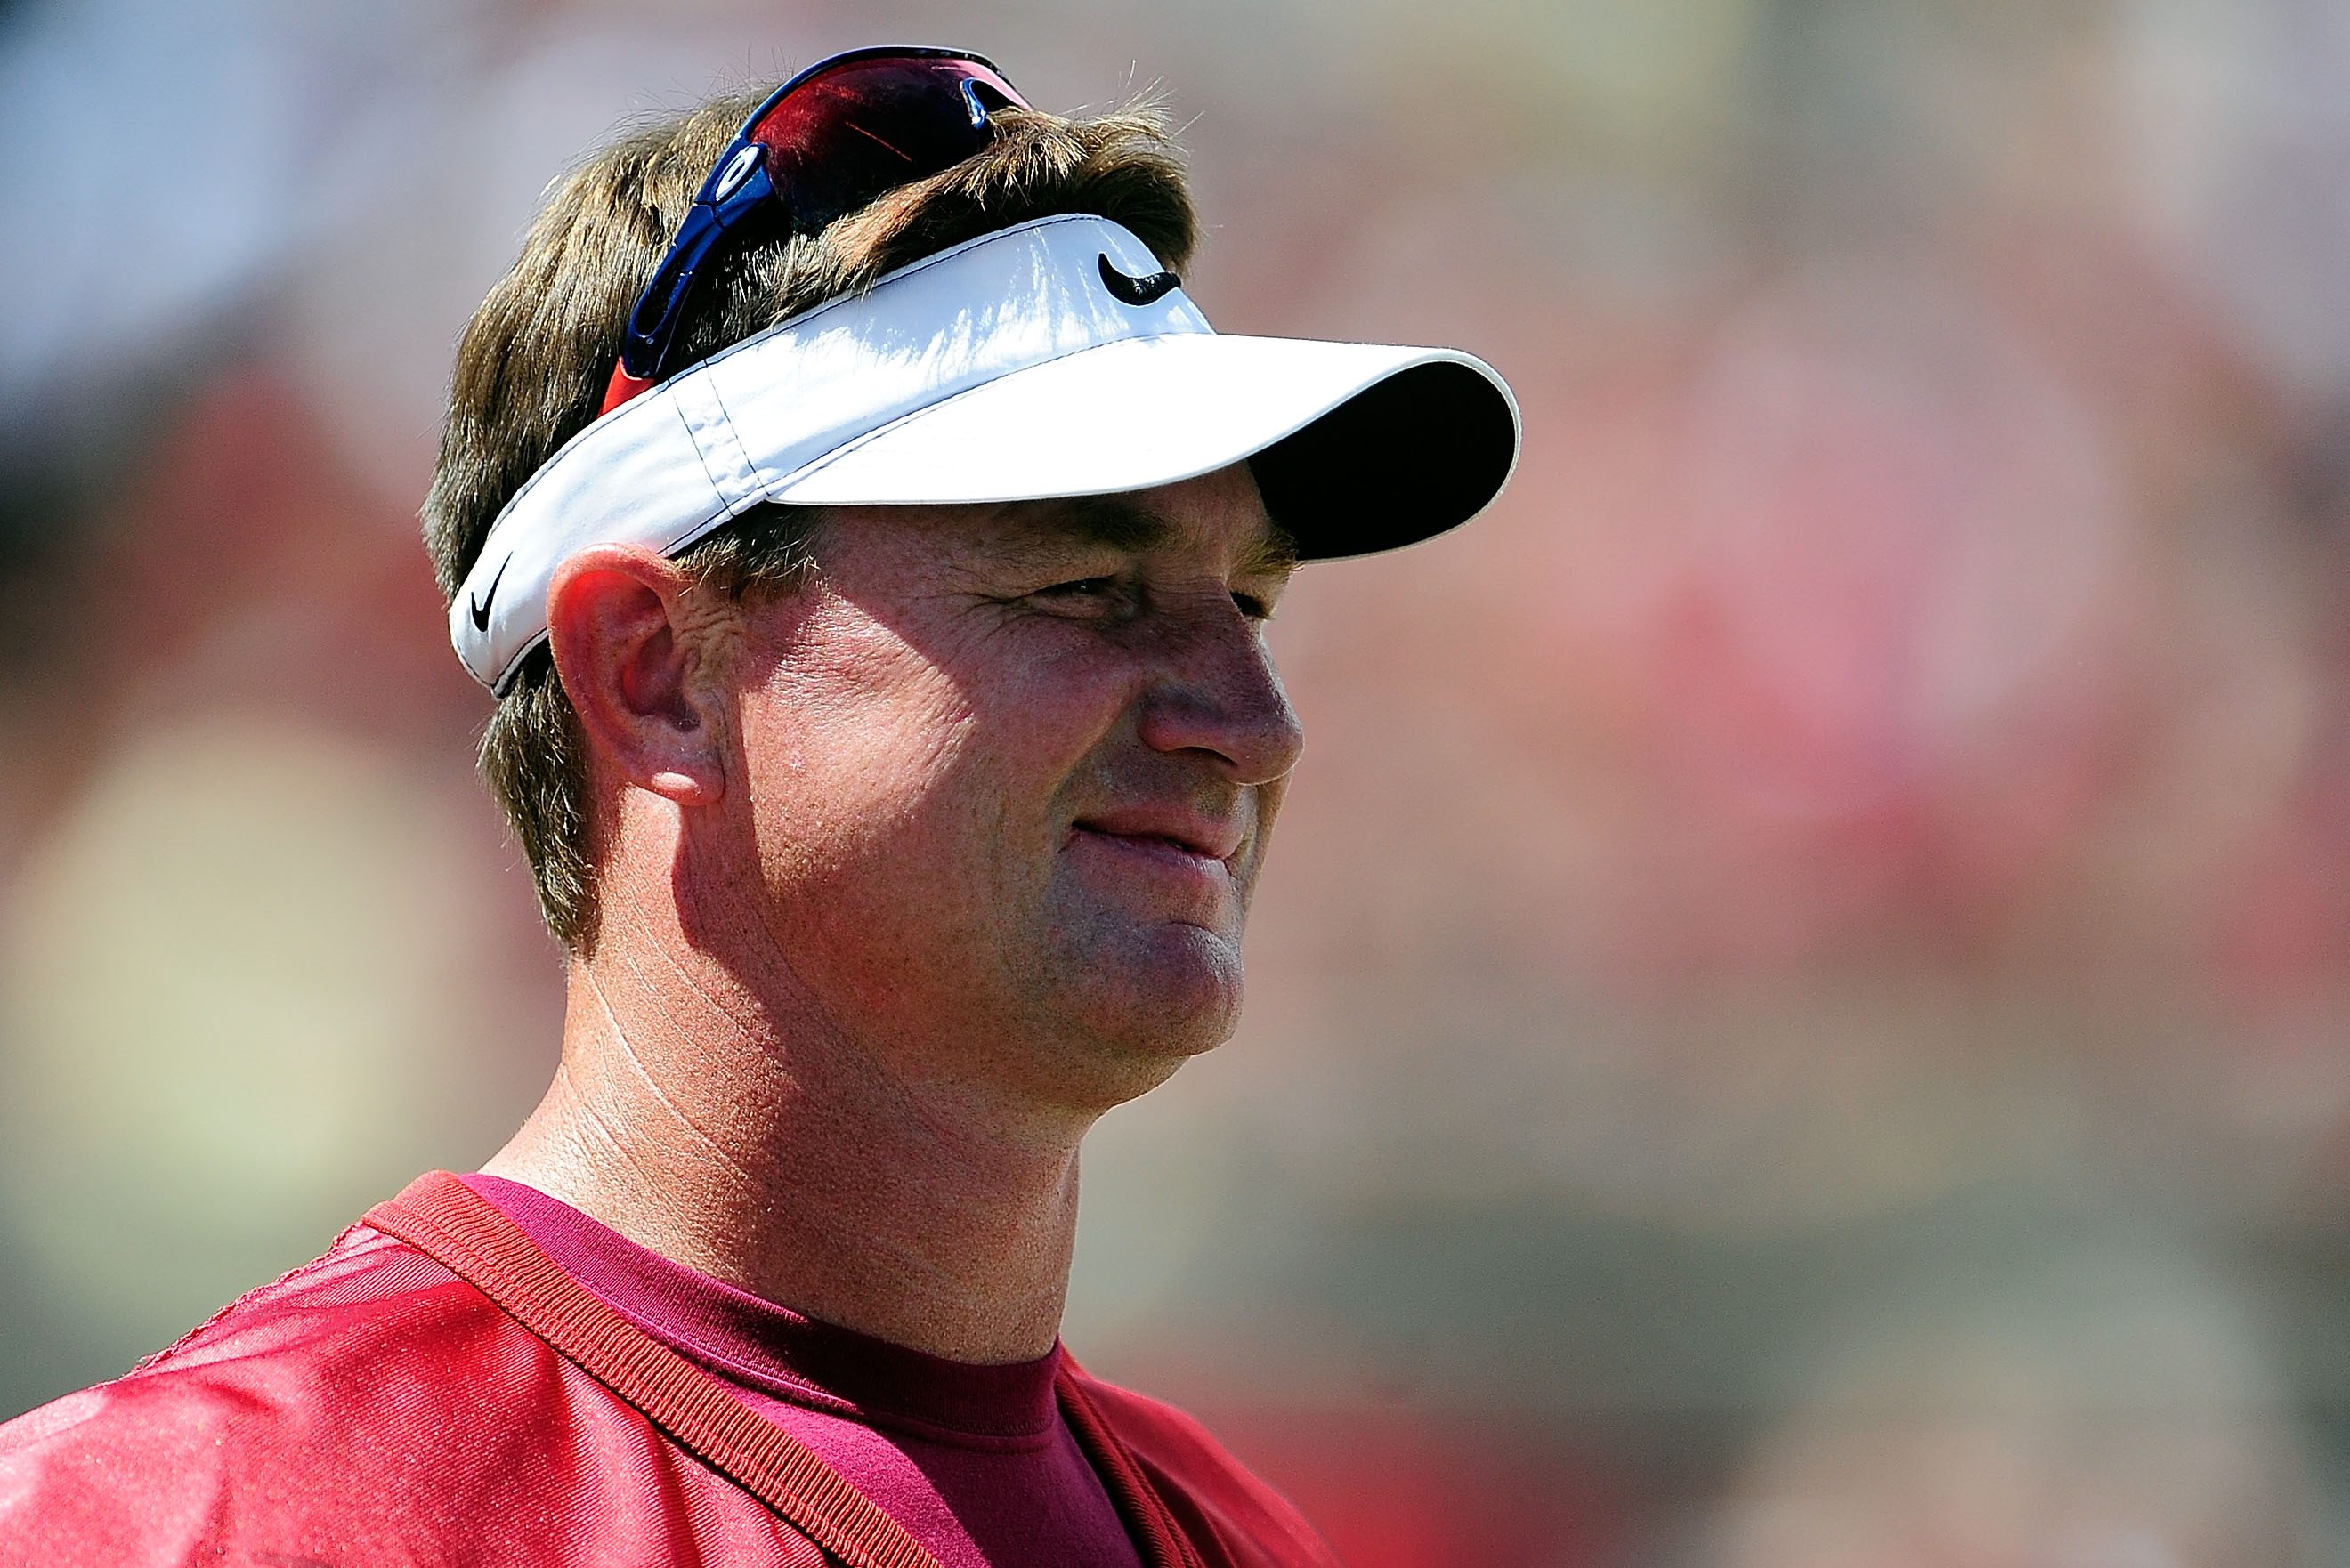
(369,1405)
(1213,1496)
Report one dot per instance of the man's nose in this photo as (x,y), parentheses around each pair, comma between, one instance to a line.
(1220,693)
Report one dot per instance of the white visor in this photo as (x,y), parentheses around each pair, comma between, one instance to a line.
(1055,359)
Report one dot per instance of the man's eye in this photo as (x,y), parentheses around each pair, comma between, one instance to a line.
(1252,606)
(1083,589)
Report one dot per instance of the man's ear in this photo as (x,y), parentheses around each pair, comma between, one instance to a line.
(632,638)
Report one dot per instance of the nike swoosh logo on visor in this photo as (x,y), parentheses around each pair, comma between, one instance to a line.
(482,606)
(1136,291)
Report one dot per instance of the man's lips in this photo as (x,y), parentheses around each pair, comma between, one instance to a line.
(1161,857)
(1177,833)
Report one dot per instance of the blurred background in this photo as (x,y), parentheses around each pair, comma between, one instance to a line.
(1802,1013)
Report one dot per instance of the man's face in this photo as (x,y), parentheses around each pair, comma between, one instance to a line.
(1010,771)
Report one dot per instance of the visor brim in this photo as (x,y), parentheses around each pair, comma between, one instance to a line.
(1356,447)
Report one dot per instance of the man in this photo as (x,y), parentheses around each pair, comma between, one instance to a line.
(869,545)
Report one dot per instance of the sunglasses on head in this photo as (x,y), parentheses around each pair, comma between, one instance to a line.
(825,143)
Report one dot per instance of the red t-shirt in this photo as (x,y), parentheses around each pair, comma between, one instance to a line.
(437,1388)
(975,1461)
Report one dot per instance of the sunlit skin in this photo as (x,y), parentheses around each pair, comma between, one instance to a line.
(906,877)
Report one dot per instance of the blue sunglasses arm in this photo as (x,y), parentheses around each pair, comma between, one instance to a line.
(652,324)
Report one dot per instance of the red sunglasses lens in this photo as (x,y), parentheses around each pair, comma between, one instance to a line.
(843,137)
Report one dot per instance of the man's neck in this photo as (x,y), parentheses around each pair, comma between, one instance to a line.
(750,1138)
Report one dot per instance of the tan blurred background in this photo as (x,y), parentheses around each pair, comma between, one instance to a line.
(1802,1012)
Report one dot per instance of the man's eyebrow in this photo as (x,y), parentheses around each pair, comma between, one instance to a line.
(1109,521)
(1273,552)
(1118,523)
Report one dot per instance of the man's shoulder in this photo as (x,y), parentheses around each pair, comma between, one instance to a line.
(1214,1495)
(292,1395)
(369,1406)
(310,1345)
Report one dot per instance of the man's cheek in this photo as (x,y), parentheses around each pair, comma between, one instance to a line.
(1250,870)
(1269,797)
(904,750)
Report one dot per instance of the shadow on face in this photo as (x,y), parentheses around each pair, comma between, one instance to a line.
(1009,772)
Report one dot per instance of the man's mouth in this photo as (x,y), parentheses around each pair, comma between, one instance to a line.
(1173,834)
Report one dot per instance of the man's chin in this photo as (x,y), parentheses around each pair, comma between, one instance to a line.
(1168,993)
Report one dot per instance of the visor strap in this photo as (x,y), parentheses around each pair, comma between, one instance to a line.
(732,474)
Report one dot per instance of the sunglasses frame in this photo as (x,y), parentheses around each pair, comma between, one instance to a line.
(742,184)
